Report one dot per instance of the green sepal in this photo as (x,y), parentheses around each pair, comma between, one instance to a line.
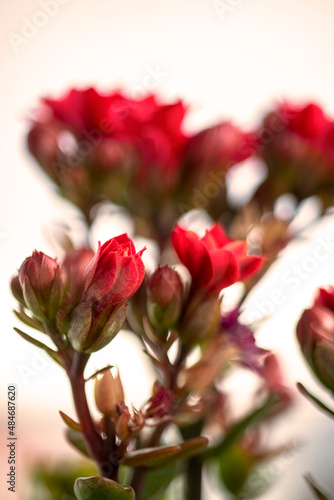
(76,440)
(27,320)
(62,321)
(110,330)
(31,299)
(53,354)
(100,488)
(151,457)
(72,424)
(80,325)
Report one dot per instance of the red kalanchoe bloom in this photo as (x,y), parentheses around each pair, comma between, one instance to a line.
(214,261)
(113,275)
(315,333)
(221,146)
(298,136)
(151,129)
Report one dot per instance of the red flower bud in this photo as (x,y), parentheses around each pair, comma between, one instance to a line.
(315,333)
(165,297)
(42,289)
(113,275)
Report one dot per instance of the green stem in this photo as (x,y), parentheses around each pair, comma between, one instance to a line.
(193,465)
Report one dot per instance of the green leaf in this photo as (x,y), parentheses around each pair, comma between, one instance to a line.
(157,481)
(314,400)
(53,354)
(237,431)
(75,426)
(100,488)
(234,469)
(192,447)
(27,320)
(151,457)
(75,439)
(318,493)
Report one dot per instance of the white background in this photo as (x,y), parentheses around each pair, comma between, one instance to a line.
(228,59)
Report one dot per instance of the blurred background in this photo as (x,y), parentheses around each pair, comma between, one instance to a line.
(227,59)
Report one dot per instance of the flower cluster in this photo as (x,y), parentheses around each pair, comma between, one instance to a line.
(84,298)
(136,153)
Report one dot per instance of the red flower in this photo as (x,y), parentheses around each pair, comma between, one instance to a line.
(222,146)
(214,261)
(152,129)
(299,136)
(113,275)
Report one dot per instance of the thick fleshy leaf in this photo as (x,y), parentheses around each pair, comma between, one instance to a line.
(151,457)
(75,426)
(157,481)
(100,488)
(192,447)
(234,468)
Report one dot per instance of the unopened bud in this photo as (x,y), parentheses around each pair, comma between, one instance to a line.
(200,320)
(315,332)
(165,297)
(17,290)
(122,427)
(108,392)
(41,284)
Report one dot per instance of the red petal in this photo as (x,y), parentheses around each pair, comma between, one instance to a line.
(225,269)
